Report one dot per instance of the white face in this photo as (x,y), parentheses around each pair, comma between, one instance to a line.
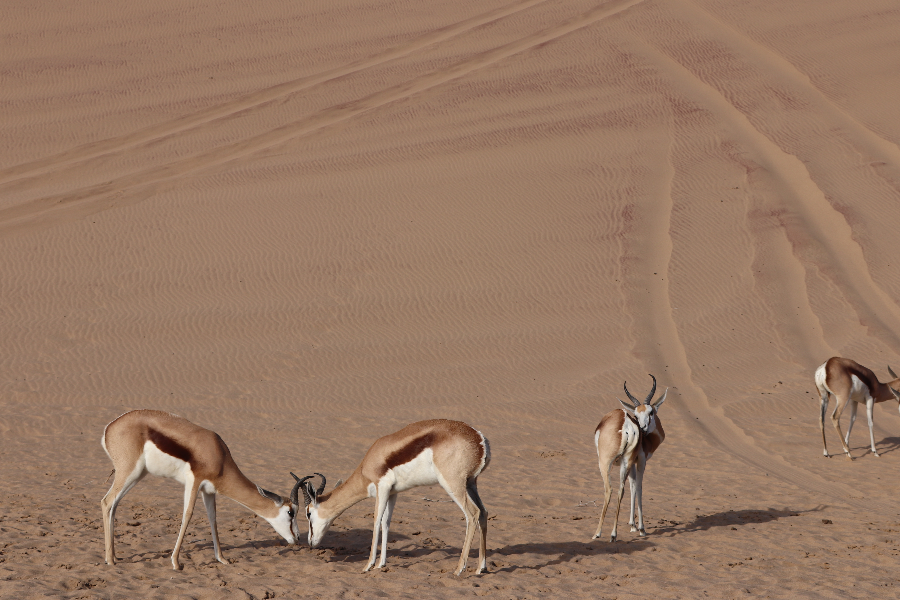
(645,414)
(317,525)
(286,524)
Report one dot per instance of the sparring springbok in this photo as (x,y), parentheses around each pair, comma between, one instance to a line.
(628,437)
(159,443)
(449,453)
(848,380)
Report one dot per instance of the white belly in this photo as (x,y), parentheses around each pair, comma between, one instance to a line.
(165,465)
(418,471)
(859,392)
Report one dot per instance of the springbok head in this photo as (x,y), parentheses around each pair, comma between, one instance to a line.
(893,391)
(317,525)
(644,411)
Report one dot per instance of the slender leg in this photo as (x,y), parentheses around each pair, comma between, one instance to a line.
(472,489)
(209,501)
(632,481)
(839,405)
(853,407)
(471,511)
(607,492)
(122,484)
(623,475)
(386,526)
(190,498)
(870,405)
(824,395)
(640,468)
(382,496)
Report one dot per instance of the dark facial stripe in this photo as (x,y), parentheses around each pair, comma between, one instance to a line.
(408,452)
(169,446)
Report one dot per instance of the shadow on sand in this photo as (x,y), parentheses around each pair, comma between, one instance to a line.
(730,518)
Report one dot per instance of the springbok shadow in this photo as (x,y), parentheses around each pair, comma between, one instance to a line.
(565,552)
(730,518)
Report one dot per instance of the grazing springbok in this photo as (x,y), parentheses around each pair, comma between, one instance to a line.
(449,453)
(848,380)
(159,443)
(628,437)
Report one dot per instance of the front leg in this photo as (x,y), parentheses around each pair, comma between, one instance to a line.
(853,407)
(386,526)
(382,495)
(870,406)
(640,499)
(209,501)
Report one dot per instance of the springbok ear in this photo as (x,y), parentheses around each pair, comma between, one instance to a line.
(662,399)
(338,484)
(895,393)
(278,500)
(891,371)
(628,409)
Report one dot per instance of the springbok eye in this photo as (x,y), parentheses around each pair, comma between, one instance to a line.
(291,513)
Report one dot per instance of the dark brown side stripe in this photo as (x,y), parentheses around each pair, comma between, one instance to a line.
(169,446)
(408,452)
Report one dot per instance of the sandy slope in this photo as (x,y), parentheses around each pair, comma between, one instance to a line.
(304,225)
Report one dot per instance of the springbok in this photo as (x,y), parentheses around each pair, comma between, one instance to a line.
(449,453)
(848,380)
(628,437)
(162,444)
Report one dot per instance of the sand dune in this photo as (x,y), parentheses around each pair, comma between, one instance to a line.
(305,225)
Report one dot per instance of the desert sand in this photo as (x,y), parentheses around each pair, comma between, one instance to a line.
(304,225)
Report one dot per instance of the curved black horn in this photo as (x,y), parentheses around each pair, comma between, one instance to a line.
(299,486)
(630,397)
(321,487)
(652,390)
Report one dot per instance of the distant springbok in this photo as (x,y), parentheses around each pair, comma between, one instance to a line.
(629,438)
(848,380)
(449,453)
(159,443)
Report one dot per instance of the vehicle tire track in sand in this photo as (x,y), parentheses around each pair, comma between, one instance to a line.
(773,63)
(227,109)
(144,183)
(822,222)
(775,261)
(659,345)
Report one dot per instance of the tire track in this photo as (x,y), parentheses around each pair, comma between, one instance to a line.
(821,220)
(239,105)
(659,345)
(771,62)
(146,182)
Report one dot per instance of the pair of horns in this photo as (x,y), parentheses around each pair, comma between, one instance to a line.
(308,492)
(647,399)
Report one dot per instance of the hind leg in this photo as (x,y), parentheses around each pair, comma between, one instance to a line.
(839,406)
(472,490)
(824,409)
(459,494)
(607,493)
(623,475)
(122,484)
